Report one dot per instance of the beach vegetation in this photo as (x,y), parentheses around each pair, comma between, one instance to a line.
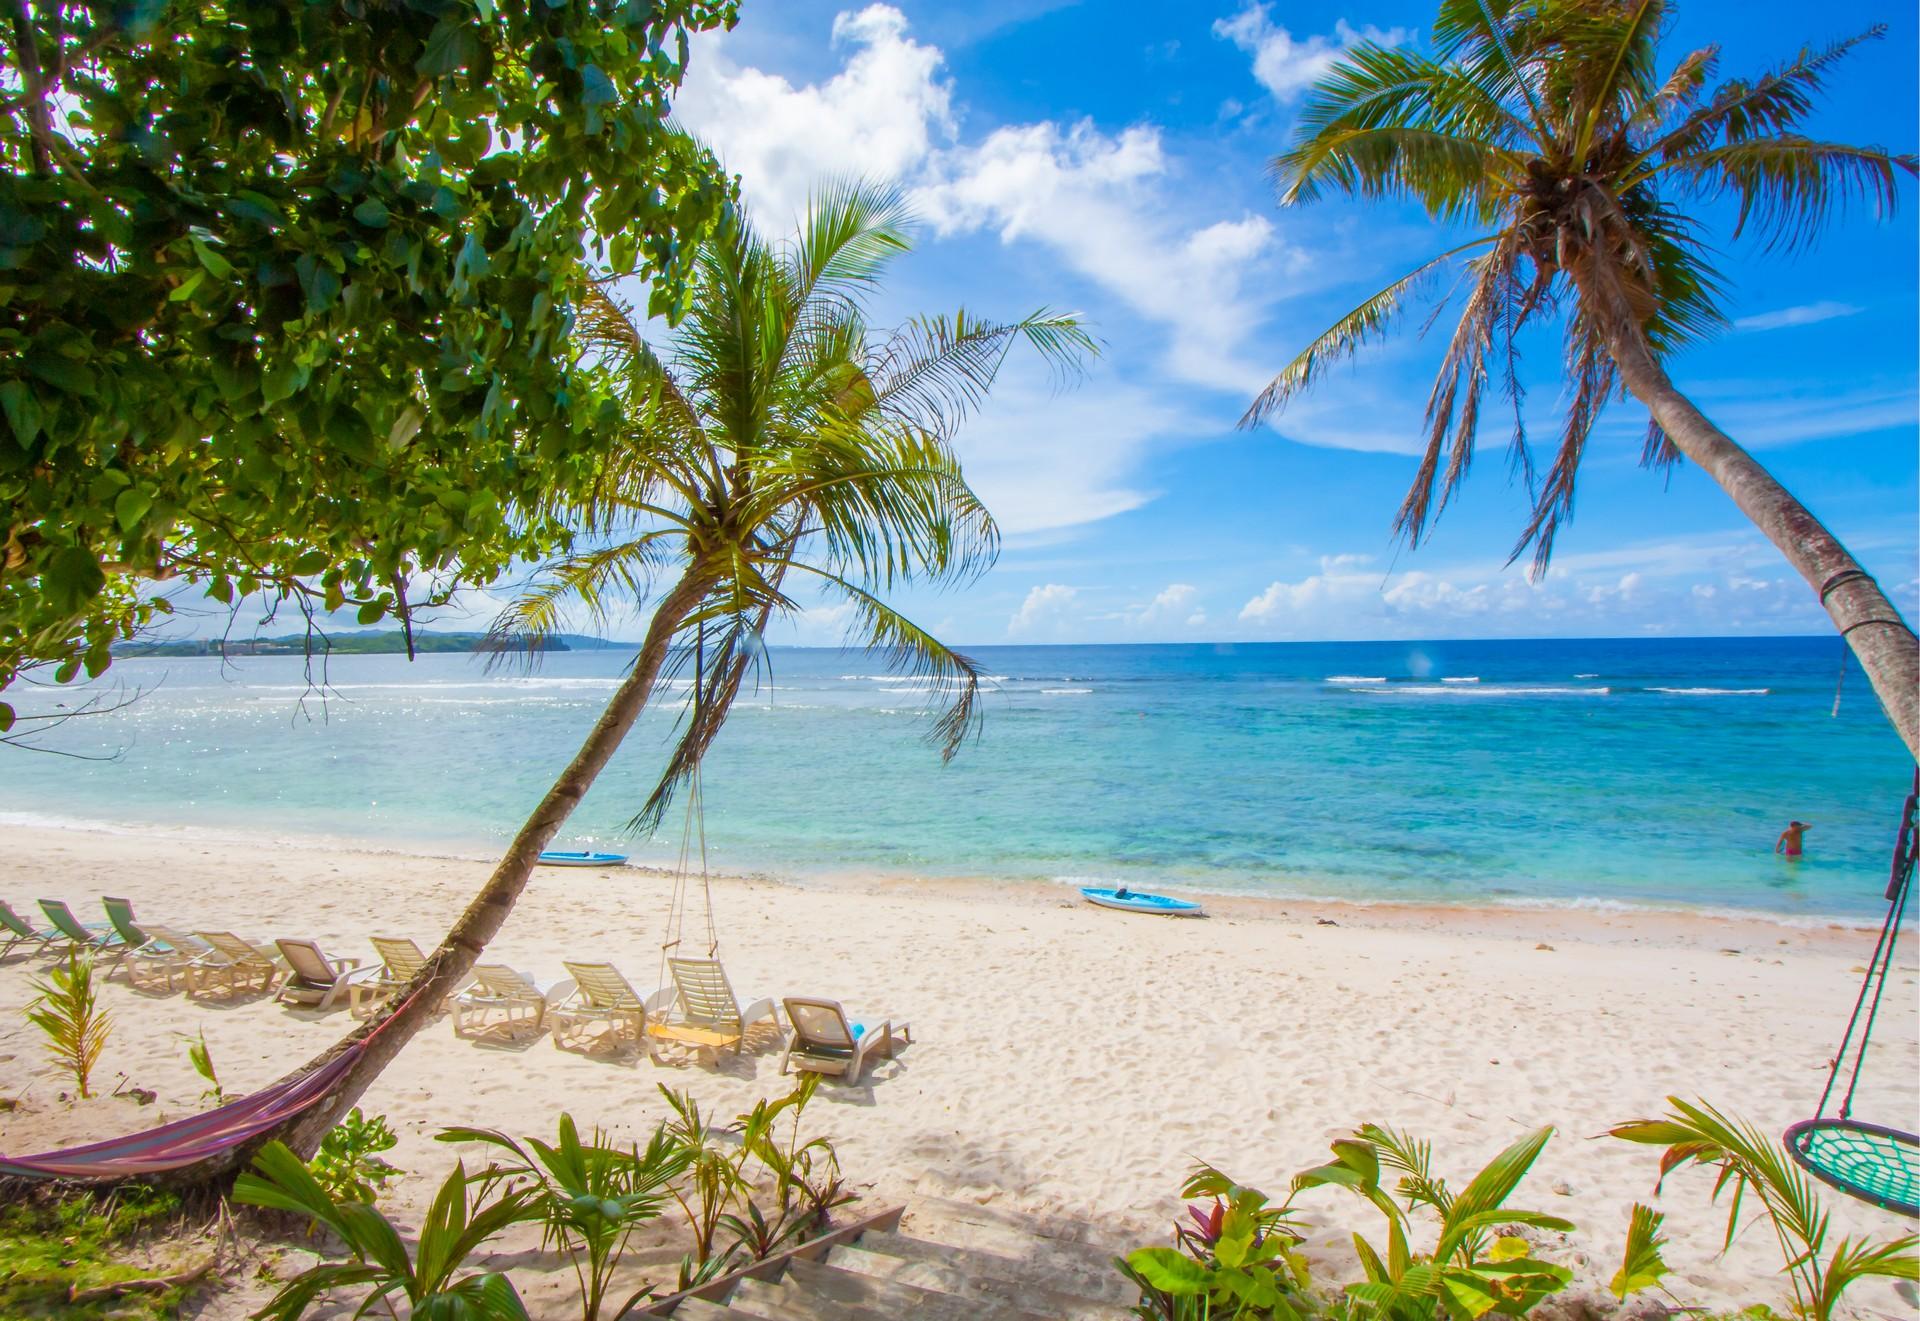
(287,292)
(1753,1170)
(590,1197)
(464,1215)
(71,1256)
(200,1056)
(1240,1256)
(728,1169)
(348,1164)
(745,1190)
(67,1010)
(1573,159)
(777,443)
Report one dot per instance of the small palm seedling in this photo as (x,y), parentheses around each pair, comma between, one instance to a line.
(461,1219)
(590,1197)
(1752,1165)
(68,1010)
(712,1183)
(348,1163)
(807,1182)
(200,1055)
(1472,1269)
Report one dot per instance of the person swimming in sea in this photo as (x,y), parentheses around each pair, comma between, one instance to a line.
(1789,842)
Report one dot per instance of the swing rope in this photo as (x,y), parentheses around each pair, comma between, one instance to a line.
(693,830)
(1872,1162)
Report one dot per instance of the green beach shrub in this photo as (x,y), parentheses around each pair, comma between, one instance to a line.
(1757,1170)
(589,1196)
(68,1010)
(462,1218)
(1242,1260)
(348,1164)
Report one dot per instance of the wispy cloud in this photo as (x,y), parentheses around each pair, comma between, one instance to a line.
(1287,65)
(1806,314)
(1107,205)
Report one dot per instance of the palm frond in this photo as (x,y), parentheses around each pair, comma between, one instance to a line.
(1787,187)
(1591,370)
(729,650)
(1365,324)
(1453,405)
(912,652)
(599,582)
(850,230)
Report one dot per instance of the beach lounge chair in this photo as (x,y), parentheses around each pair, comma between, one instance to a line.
(600,996)
(232,966)
(313,979)
(16,930)
(501,1000)
(823,1041)
(703,1011)
(161,963)
(80,935)
(400,959)
(120,917)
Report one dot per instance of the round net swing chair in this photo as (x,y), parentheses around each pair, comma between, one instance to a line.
(1872,1162)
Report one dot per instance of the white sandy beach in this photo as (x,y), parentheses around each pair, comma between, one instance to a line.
(1068,1060)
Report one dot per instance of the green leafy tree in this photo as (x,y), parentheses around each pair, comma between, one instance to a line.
(777,437)
(287,292)
(1552,132)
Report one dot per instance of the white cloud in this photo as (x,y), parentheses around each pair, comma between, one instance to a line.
(1104,204)
(1044,460)
(1107,204)
(1176,604)
(1287,65)
(1345,599)
(880,116)
(1806,314)
(1043,609)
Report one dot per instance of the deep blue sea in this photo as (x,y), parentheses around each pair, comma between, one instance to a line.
(1628,772)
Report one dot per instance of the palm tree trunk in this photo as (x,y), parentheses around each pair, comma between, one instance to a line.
(1886,646)
(483,918)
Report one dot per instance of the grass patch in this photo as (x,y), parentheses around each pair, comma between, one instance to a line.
(50,1249)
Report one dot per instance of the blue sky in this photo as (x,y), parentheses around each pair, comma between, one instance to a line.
(1110,158)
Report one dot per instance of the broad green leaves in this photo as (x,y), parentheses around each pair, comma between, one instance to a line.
(289,294)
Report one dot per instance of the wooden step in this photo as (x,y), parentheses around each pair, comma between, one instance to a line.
(981,1289)
(838,1291)
(821,1294)
(696,1309)
(1060,1267)
(926,1215)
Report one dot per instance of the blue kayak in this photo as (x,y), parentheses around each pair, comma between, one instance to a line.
(1133,901)
(564,858)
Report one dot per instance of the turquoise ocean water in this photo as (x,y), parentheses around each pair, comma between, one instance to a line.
(1633,772)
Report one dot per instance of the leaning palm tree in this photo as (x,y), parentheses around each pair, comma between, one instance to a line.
(778,439)
(1548,127)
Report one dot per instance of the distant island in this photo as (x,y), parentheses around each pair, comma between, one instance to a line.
(364,642)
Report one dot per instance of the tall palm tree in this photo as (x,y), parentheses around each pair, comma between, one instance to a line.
(778,438)
(1548,126)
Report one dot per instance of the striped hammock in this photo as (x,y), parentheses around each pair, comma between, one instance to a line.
(198,1137)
